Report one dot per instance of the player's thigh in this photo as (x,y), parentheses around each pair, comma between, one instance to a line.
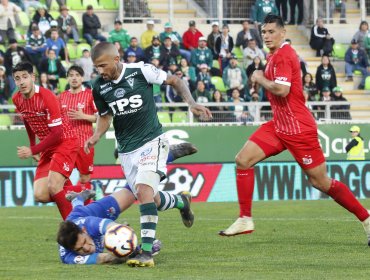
(125,198)
(55,182)
(85,162)
(318,177)
(40,190)
(262,144)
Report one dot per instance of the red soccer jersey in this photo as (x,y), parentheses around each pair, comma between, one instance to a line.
(290,114)
(83,100)
(41,112)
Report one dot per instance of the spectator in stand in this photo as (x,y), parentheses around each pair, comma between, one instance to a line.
(147,36)
(36,46)
(68,25)
(175,38)
(356,59)
(212,37)
(190,38)
(41,18)
(201,94)
(168,52)
(85,62)
(224,46)
(201,55)
(13,55)
(255,65)
(262,9)
(45,83)
(240,112)
(234,77)
(282,7)
(90,26)
(157,93)
(362,34)
(334,4)
(53,26)
(52,66)
(247,34)
(118,34)
(326,97)
(171,94)
(302,62)
(325,75)
(308,12)
(321,40)
(250,52)
(120,51)
(4,86)
(153,50)
(340,111)
(205,77)
(131,57)
(219,112)
(58,45)
(310,88)
(7,20)
(189,73)
(139,53)
(293,4)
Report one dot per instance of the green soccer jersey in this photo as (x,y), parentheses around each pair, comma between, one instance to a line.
(129,99)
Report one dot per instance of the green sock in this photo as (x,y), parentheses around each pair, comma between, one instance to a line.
(148,222)
(169,201)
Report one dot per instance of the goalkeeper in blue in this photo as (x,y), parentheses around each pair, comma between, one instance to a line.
(81,236)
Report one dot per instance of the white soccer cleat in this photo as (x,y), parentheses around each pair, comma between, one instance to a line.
(243,225)
(366,225)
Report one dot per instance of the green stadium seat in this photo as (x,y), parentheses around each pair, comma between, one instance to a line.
(21,35)
(10,102)
(54,6)
(164,117)
(2,48)
(339,50)
(179,117)
(357,72)
(216,64)
(367,83)
(62,83)
(24,19)
(54,14)
(74,5)
(72,51)
(109,4)
(77,18)
(238,53)
(81,47)
(93,3)
(5,120)
(218,83)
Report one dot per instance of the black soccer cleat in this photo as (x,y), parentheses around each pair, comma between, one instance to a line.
(85,195)
(182,150)
(187,214)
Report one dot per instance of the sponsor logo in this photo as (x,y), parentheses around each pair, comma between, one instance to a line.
(126,105)
(146,152)
(105,90)
(119,93)
(147,158)
(40,114)
(66,166)
(131,75)
(80,259)
(284,79)
(81,105)
(307,159)
(131,82)
(144,232)
(91,168)
(103,86)
(56,120)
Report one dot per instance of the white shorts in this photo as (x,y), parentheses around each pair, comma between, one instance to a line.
(146,165)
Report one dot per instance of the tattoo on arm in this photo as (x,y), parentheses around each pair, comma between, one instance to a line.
(181,88)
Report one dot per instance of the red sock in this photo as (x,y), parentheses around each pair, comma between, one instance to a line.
(64,206)
(245,187)
(71,188)
(344,197)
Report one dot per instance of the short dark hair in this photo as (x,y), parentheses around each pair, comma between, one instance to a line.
(101,49)
(76,68)
(271,18)
(68,234)
(23,66)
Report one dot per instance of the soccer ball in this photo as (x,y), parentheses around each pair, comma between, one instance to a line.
(121,240)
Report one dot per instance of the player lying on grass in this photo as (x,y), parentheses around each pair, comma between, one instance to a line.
(81,236)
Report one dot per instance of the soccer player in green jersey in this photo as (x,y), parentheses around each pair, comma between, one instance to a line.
(124,93)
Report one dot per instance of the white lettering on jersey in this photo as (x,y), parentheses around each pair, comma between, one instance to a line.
(118,106)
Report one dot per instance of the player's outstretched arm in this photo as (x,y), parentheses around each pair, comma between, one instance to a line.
(275,88)
(102,125)
(185,94)
(107,258)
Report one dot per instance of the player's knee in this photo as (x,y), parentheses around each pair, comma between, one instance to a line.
(42,197)
(144,193)
(242,163)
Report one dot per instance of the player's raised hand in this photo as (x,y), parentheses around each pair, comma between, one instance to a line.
(90,143)
(201,111)
(24,152)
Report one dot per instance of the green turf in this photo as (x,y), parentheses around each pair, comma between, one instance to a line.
(293,240)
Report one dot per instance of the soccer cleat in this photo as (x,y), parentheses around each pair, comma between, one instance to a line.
(157,245)
(183,149)
(85,195)
(144,259)
(186,214)
(242,225)
(366,225)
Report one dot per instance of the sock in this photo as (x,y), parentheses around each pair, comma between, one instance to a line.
(245,187)
(148,222)
(64,206)
(169,201)
(170,157)
(344,197)
(71,188)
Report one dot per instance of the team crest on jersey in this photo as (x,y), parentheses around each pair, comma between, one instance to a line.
(81,105)
(307,159)
(111,212)
(66,166)
(80,259)
(131,82)
(119,93)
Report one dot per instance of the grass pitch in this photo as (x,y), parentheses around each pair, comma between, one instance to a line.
(293,240)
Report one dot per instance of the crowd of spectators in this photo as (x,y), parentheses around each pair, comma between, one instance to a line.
(194,57)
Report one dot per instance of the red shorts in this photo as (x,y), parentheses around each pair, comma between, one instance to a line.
(304,147)
(85,162)
(60,159)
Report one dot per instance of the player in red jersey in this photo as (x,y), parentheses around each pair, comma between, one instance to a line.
(58,146)
(79,103)
(292,128)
